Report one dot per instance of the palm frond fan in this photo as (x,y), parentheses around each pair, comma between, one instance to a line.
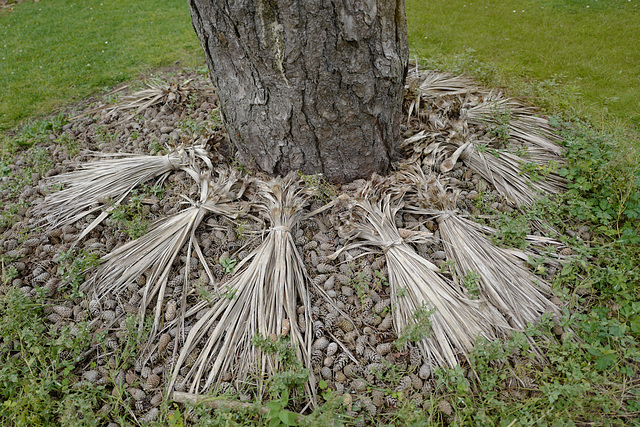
(416,285)
(110,178)
(503,281)
(155,252)
(431,83)
(156,92)
(520,164)
(526,128)
(262,298)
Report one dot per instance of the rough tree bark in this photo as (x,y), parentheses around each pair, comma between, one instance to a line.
(309,85)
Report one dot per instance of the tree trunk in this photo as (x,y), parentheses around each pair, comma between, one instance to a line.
(308,85)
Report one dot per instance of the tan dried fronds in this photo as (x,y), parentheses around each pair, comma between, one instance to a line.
(156,251)
(518,294)
(503,280)
(416,283)
(260,299)
(525,126)
(156,92)
(508,174)
(431,83)
(519,179)
(532,156)
(109,178)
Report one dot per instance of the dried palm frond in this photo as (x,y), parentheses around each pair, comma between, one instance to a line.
(156,251)
(452,109)
(504,281)
(110,178)
(260,299)
(157,92)
(519,179)
(456,321)
(525,127)
(432,83)
(508,174)
(517,293)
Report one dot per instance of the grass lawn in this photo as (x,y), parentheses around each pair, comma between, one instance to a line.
(53,52)
(580,55)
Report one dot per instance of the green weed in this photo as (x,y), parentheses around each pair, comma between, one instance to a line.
(604,170)
(361,285)
(73,267)
(38,131)
(499,124)
(131,217)
(39,367)
(511,231)
(228,264)
(8,274)
(419,329)
(470,283)
(321,188)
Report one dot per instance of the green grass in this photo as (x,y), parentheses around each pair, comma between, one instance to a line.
(582,50)
(53,52)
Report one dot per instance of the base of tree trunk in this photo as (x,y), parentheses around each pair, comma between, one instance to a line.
(308,85)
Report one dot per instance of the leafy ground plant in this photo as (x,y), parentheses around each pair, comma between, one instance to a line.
(37,374)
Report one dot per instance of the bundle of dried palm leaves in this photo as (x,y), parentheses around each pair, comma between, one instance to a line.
(157,92)
(262,298)
(521,163)
(416,284)
(503,280)
(155,252)
(109,179)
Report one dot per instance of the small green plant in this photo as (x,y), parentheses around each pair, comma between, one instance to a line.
(447,267)
(155,147)
(537,172)
(155,190)
(229,293)
(604,174)
(191,127)
(38,386)
(72,144)
(103,135)
(131,217)
(278,415)
(235,164)
(322,189)
(470,282)
(380,280)
(240,229)
(8,214)
(37,131)
(290,377)
(73,266)
(203,291)
(8,274)
(228,264)
(499,124)
(511,231)
(418,330)
(361,286)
